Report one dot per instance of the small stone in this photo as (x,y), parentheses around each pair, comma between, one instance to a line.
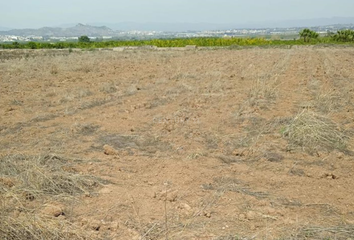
(207,214)
(95,225)
(7,182)
(330,176)
(340,155)
(154,195)
(16,214)
(251,215)
(108,150)
(171,196)
(269,210)
(187,207)
(242,217)
(61,217)
(105,190)
(240,152)
(53,210)
(112,226)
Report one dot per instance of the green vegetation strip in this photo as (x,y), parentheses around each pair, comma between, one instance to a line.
(307,37)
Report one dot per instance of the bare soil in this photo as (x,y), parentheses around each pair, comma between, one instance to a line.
(190,144)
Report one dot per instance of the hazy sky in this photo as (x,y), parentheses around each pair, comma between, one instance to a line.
(39,13)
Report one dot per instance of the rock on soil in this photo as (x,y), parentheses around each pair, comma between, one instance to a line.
(108,150)
(53,210)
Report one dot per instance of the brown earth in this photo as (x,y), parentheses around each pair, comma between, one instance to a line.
(191,144)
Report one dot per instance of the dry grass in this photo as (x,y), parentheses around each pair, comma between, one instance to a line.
(54,70)
(225,184)
(29,226)
(335,232)
(48,175)
(327,101)
(25,181)
(313,132)
(108,88)
(263,91)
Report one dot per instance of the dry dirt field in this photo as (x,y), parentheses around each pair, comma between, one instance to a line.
(201,144)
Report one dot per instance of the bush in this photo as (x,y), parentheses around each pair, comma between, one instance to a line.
(32,45)
(306,34)
(84,39)
(344,36)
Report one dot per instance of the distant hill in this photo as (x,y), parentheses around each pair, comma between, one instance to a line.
(165,27)
(316,22)
(4,28)
(78,30)
(179,27)
(113,29)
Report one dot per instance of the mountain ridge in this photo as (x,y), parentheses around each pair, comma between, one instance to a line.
(113,29)
(78,30)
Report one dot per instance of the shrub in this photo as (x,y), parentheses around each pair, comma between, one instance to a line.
(306,34)
(344,36)
(84,39)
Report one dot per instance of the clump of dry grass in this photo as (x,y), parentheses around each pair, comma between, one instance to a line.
(46,175)
(25,182)
(108,88)
(263,91)
(29,226)
(313,132)
(54,70)
(322,232)
(83,92)
(327,101)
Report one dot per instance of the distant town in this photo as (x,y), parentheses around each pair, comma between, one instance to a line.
(106,34)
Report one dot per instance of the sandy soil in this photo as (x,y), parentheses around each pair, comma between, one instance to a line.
(190,143)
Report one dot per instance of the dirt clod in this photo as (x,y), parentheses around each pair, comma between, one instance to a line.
(108,150)
(251,215)
(53,210)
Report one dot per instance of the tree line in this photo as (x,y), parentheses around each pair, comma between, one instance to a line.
(346,35)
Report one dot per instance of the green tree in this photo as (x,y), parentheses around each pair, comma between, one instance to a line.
(16,45)
(32,45)
(84,39)
(306,34)
(344,36)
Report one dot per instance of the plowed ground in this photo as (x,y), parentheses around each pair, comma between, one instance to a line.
(188,144)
